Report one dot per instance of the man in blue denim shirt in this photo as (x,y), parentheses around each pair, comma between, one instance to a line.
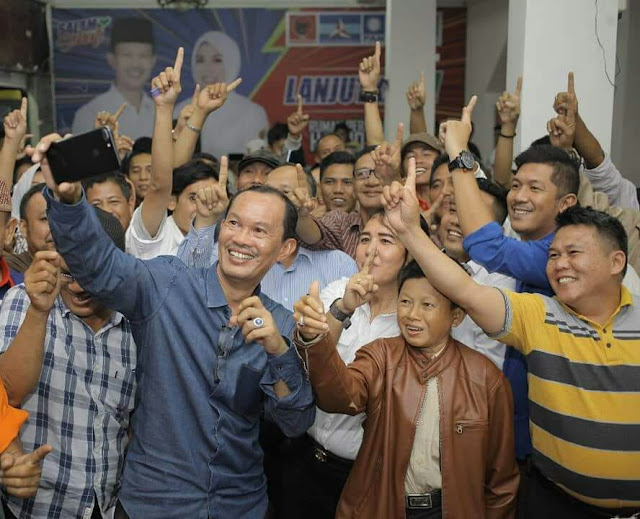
(213,351)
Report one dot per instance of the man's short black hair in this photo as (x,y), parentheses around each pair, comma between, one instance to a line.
(115,176)
(290,220)
(565,174)
(140,146)
(19,163)
(337,157)
(203,156)
(609,228)
(413,271)
(33,190)
(277,132)
(441,159)
(499,197)
(542,141)
(366,150)
(131,30)
(187,174)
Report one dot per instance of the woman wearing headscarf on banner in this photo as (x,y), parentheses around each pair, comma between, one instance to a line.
(216,58)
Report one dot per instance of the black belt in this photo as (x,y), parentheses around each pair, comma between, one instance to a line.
(322,455)
(431,499)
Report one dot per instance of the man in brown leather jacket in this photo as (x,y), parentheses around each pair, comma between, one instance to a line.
(438,439)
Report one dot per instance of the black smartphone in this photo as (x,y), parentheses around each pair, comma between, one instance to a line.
(82,156)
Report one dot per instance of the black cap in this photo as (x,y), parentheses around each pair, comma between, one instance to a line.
(111,226)
(127,30)
(264,156)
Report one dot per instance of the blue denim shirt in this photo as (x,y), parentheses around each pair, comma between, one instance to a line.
(201,388)
(526,261)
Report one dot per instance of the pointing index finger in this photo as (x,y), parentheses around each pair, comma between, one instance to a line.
(314,290)
(570,84)
(468,110)
(232,86)
(410,182)
(377,52)
(23,107)
(369,261)
(299,104)
(302,179)
(399,134)
(119,111)
(177,67)
(519,86)
(224,171)
(422,80)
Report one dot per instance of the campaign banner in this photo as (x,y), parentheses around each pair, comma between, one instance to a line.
(104,57)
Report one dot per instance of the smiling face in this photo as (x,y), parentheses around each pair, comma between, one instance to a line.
(533,201)
(424,156)
(209,65)
(132,62)
(109,197)
(337,188)
(390,252)
(251,237)
(582,265)
(425,316)
(368,191)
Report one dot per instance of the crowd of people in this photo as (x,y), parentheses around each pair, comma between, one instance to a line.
(403,331)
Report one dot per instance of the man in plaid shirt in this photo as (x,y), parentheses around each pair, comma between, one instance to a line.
(82,402)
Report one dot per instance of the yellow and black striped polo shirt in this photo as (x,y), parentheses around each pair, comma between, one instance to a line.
(584,395)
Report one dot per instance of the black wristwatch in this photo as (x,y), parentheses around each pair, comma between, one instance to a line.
(369,97)
(345,319)
(465,161)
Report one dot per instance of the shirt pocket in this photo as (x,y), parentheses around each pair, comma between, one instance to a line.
(121,387)
(247,398)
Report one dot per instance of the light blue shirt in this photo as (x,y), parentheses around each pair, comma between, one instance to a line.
(283,285)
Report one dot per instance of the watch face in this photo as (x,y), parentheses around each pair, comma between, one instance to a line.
(467,159)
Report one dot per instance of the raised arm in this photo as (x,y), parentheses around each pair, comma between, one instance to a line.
(203,104)
(21,363)
(416,98)
(369,74)
(484,304)
(165,90)
(15,128)
(508,107)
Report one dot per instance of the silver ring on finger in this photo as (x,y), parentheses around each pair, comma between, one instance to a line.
(258,322)
(155,92)
(300,322)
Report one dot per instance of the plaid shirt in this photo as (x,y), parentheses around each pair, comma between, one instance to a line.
(339,231)
(80,406)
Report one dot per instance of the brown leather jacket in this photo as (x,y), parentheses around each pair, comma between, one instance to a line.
(388,380)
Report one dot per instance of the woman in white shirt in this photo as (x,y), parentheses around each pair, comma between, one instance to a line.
(317,472)
(216,59)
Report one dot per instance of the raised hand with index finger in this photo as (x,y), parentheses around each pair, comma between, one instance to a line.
(213,96)
(456,138)
(386,157)
(300,195)
(508,105)
(361,287)
(369,71)
(297,121)
(400,203)
(165,87)
(213,200)
(566,103)
(15,124)
(416,94)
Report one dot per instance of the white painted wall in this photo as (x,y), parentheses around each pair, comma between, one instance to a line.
(411,44)
(487,23)
(544,46)
(626,107)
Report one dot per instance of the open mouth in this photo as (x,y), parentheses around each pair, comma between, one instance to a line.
(520,212)
(240,256)
(413,330)
(339,201)
(565,280)
(454,235)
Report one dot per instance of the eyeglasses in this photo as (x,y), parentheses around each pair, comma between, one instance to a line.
(365,173)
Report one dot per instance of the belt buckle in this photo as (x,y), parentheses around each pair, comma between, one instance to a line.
(419,501)
(319,454)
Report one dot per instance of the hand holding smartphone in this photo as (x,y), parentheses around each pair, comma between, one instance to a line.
(82,156)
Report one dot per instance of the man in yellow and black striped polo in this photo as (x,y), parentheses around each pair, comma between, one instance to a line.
(583,351)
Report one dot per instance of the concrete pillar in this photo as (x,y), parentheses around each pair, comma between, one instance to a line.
(547,39)
(410,48)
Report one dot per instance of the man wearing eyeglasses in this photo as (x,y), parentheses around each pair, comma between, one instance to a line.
(85,393)
(337,229)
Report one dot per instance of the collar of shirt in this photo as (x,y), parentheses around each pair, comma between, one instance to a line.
(114,319)
(626,299)
(302,255)
(215,294)
(146,102)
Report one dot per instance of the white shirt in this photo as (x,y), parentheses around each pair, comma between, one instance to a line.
(139,243)
(132,123)
(468,332)
(338,433)
(228,129)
